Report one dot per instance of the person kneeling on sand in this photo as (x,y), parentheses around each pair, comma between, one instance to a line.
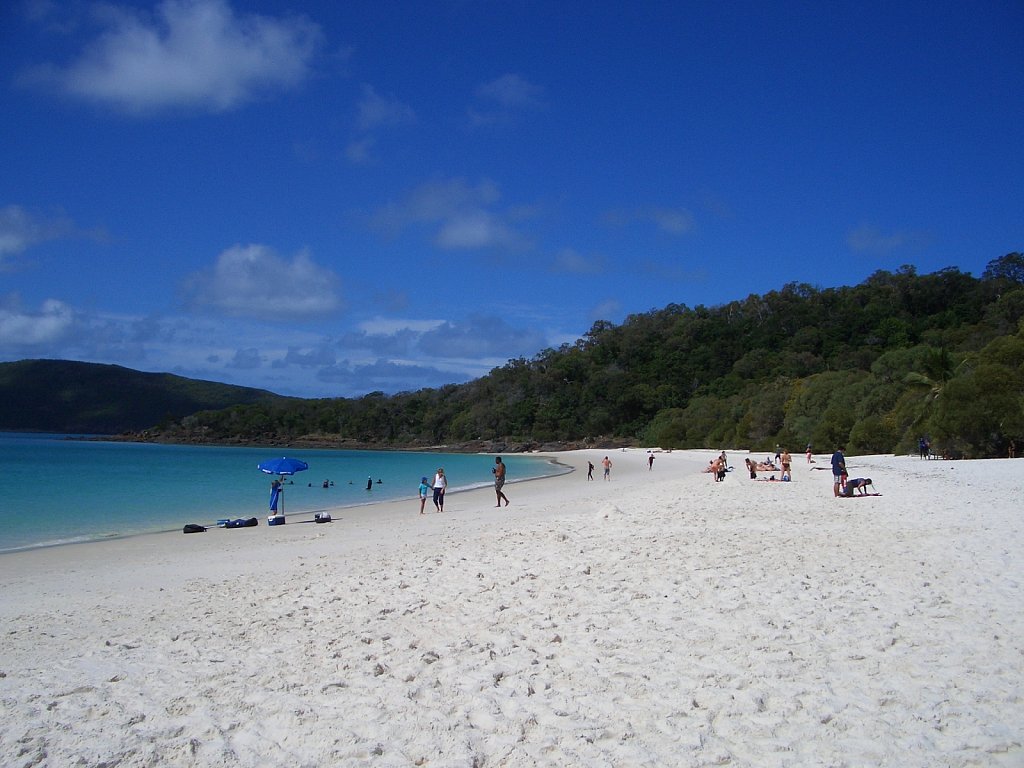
(861,483)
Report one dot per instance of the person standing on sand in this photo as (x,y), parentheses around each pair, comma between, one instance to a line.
(276,490)
(499,480)
(838,471)
(787,463)
(590,470)
(440,486)
(650,462)
(424,490)
(607,464)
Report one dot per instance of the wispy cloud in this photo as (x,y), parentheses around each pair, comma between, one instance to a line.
(252,281)
(573,262)
(868,239)
(461,216)
(498,100)
(20,229)
(672,221)
(392,325)
(374,113)
(360,151)
(376,110)
(609,309)
(482,336)
(187,53)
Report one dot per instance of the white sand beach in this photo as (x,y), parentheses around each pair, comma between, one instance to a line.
(659,619)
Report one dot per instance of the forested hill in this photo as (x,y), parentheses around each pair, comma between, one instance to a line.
(871,367)
(73,397)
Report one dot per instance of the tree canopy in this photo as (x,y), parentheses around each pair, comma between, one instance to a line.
(871,367)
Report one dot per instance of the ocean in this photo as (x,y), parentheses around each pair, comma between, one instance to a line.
(59,490)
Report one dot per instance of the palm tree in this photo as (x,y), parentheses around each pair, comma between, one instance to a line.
(938,369)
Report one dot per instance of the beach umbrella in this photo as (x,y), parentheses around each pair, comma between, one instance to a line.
(282,466)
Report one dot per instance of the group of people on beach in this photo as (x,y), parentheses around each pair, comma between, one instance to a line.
(440,485)
(842,485)
(606,464)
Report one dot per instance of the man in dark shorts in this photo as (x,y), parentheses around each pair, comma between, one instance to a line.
(499,480)
(838,471)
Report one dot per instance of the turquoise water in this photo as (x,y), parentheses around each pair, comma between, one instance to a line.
(60,491)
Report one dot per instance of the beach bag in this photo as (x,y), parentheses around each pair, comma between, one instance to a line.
(193,528)
(321,517)
(242,523)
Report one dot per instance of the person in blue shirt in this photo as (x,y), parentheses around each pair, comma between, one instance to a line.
(424,492)
(838,471)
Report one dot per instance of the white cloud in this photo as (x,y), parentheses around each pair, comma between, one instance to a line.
(190,53)
(392,325)
(475,229)
(462,216)
(253,281)
(20,229)
(20,329)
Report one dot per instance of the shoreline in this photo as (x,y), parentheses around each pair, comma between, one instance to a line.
(659,618)
(71,506)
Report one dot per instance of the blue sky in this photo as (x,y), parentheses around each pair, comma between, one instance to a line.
(332,198)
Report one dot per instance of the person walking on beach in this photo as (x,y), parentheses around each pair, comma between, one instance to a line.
(424,490)
(499,480)
(838,471)
(590,470)
(440,486)
(607,464)
(650,462)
